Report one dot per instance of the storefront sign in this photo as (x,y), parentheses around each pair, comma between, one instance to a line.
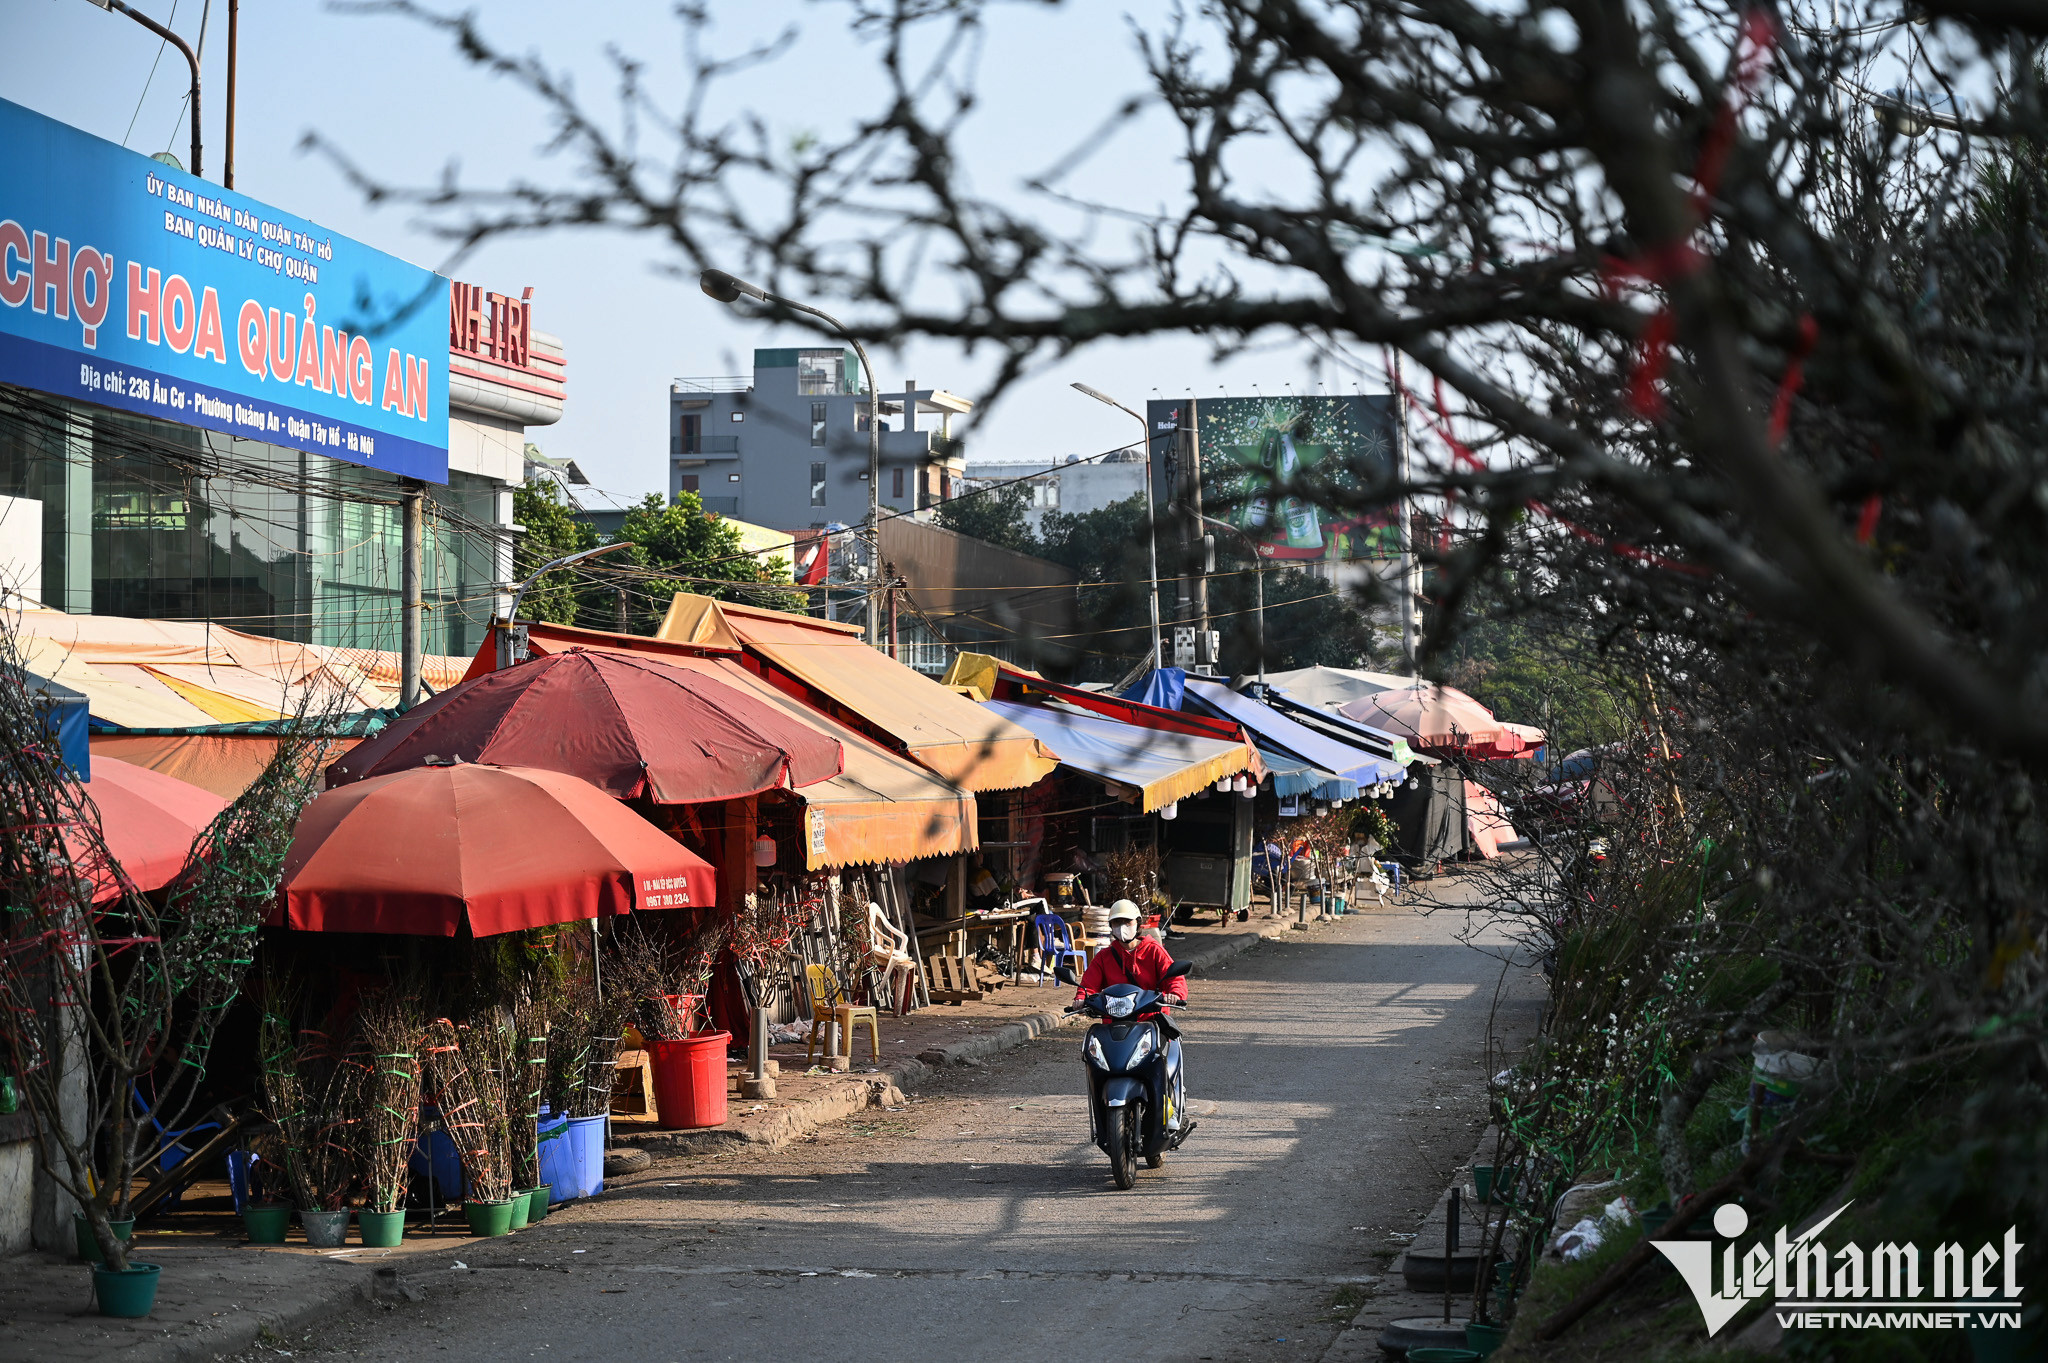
(129,284)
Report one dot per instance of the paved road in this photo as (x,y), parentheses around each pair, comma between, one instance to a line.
(1338,1080)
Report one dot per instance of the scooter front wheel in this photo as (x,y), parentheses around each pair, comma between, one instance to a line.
(1124,1146)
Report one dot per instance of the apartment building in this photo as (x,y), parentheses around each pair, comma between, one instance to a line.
(787,446)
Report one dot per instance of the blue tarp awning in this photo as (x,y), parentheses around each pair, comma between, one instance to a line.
(65,716)
(1292,776)
(1164,767)
(1271,729)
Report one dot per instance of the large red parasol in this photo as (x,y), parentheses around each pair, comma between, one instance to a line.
(1429,716)
(149,821)
(504,848)
(630,726)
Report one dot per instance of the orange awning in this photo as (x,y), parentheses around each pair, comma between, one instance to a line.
(933,724)
(226,764)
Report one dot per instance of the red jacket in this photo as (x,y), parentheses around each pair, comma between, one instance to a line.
(1143,963)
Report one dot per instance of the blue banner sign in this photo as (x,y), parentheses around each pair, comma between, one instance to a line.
(127,283)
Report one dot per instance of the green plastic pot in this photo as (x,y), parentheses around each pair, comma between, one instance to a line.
(128,1293)
(1484,1339)
(381,1230)
(88,1243)
(489,1218)
(521,1200)
(267,1222)
(1442,1356)
(537,1203)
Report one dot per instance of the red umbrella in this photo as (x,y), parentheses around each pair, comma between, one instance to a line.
(149,820)
(630,726)
(506,847)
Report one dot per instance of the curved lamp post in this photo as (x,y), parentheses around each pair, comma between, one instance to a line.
(1151,531)
(727,288)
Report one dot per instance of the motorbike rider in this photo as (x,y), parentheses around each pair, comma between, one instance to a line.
(1135,959)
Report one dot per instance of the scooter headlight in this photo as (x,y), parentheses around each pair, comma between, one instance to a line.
(1120,1005)
(1143,1048)
(1093,1050)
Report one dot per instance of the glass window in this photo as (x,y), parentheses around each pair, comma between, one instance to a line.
(817,485)
(896,483)
(1052,492)
(817,423)
(817,371)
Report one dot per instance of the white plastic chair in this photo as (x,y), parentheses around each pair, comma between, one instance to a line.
(889,952)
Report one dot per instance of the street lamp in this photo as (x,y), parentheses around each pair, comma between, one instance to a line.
(1151,531)
(512,639)
(728,289)
(1258,583)
(116,7)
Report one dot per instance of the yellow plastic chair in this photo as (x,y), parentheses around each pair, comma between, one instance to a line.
(828,1000)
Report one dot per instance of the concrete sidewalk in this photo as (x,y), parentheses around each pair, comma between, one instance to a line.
(220,1295)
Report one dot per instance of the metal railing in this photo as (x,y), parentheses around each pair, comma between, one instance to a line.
(679,447)
(717,383)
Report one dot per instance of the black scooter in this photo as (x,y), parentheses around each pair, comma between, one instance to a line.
(1136,1094)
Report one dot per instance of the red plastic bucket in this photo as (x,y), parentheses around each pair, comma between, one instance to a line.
(689,1081)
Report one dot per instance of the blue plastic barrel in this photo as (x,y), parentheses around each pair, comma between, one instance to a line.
(586,1155)
(557,1157)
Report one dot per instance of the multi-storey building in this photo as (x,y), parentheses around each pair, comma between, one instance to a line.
(787,446)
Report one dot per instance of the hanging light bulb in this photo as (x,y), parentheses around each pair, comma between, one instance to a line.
(1170,812)
(1250,791)
(764,852)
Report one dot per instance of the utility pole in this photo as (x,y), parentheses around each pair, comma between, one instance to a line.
(889,576)
(227,170)
(1197,534)
(1411,588)
(412,580)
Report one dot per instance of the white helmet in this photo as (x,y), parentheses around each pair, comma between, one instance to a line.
(1122,910)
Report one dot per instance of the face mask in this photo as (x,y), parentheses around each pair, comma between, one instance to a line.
(1123,932)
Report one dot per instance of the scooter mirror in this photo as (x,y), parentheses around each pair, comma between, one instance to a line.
(1176,970)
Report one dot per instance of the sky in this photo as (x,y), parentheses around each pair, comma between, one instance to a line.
(394,95)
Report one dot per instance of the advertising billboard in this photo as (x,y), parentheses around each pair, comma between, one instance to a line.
(1259,456)
(130,284)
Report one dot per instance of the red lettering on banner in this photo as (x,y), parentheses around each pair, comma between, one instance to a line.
(394,385)
(143,303)
(416,372)
(180,317)
(360,371)
(252,339)
(52,275)
(92,290)
(13,278)
(211,341)
(309,356)
(284,349)
(334,361)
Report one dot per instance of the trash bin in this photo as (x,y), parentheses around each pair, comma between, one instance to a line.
(689,1081)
